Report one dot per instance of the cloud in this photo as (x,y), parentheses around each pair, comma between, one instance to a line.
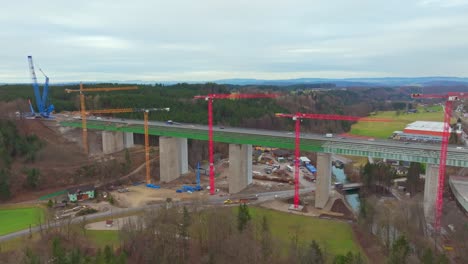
(214,39)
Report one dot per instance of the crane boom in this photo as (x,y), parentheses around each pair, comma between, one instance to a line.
(37,93)
(83,107)
(45,91)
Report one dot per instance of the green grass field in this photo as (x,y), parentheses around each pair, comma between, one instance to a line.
(384,130)
(333,236)
(15,219)
(101,238)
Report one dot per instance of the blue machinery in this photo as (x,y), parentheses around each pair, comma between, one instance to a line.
(44,108)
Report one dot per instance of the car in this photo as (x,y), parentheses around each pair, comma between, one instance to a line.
(169,122)
(290,133)
(459,147)
(406,143)
(221,127)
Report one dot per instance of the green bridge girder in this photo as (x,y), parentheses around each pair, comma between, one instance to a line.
(424,154)
(225,136)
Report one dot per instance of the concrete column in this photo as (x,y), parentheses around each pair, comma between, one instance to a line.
(431,183)
(128,140)
(112,142)
(322,185)
(183,157)
(240,167)
(169,163)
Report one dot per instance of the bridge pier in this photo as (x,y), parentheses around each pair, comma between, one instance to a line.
(112,141)
(173,158)
(322,185)
(431,184)
(128,140)
(240,167)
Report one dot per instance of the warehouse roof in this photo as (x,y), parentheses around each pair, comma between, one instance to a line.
(426,126)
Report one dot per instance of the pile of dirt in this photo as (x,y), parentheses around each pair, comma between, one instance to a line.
(339,207)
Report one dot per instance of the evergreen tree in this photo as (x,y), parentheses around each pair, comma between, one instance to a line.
(30,257)
(400,251)
(58,253)
(4,184)
(413,177)
(32,179)
(109,256)
(243,217)
(266,240)
(313,254)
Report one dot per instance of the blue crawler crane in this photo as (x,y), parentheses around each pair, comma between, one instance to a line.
(186,188)
(44,108)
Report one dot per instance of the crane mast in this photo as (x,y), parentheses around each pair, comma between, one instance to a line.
(297,119)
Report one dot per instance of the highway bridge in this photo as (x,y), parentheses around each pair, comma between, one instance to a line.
(173,151)
(378,148)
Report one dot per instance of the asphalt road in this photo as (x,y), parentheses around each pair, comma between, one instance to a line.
(214,200)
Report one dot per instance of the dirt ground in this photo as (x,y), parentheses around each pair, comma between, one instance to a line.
(141,195)
(116,225)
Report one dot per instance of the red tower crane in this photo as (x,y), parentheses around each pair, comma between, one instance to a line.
(297,118)
(210,98)
(449,97)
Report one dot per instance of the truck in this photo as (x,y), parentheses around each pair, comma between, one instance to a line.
(328,135)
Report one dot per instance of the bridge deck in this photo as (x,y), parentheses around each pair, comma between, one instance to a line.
(414,152)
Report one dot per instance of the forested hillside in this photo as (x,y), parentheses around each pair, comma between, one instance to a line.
(258,113)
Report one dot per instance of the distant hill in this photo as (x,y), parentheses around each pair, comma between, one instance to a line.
(385,81)
(345,82)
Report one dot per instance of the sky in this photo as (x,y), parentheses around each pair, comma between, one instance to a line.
(178,40)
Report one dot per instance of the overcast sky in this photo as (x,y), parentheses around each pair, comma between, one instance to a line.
(175,40)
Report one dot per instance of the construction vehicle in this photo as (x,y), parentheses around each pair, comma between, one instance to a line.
(44,108)
(190,189)
(83,107)
(146,128)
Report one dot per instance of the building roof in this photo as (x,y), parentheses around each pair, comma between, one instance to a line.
(426,126)
(82,188)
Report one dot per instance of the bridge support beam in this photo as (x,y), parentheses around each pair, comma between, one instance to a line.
(430,190)
(322,185)
(173,158)
(112,142)
(240,167)
(128,140)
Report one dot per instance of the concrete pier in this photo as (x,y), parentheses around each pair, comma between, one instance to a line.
(128,140)
(430,191)
(112,142)
(240,167)
(173,158)
(322,185)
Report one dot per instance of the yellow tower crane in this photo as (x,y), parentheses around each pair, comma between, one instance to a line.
(83,108)
(133,110)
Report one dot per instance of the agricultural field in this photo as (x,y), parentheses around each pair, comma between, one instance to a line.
(15,219)
(333,236)
(384,130)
